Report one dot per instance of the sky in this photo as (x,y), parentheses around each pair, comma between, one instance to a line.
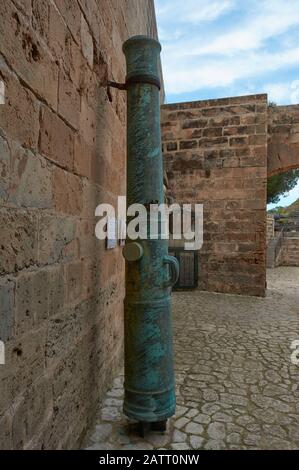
(221,48)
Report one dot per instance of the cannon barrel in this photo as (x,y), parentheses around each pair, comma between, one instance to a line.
(150,272)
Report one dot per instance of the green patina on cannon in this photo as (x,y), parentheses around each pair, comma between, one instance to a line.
(150,272)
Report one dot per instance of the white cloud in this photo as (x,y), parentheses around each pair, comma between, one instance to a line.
(279,93)
(272,19)
(170,35)
(191,11)
(192,75)
(217,54)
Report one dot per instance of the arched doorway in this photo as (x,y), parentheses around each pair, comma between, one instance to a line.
(283,156)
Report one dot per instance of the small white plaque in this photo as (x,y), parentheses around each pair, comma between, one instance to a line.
(111,233)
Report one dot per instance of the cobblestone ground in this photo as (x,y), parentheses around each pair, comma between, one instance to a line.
(236,386)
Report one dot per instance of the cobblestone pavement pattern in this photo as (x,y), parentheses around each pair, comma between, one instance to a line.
(236,385)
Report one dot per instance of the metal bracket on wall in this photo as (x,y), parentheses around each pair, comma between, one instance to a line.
(119,86)
(136,79)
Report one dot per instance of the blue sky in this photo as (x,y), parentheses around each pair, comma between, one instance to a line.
(220,48)
(286,201)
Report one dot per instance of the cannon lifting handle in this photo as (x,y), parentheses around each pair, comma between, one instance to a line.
(174,270)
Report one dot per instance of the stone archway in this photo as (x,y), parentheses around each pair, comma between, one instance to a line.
(283,155)
(215,153)
(220,153)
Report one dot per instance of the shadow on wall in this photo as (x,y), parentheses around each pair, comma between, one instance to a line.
(63,142)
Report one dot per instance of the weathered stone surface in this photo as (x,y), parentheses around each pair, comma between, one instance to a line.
(110,414)
(112,402)
(191,413)
(181,446)
(64,329)
(104,446)
(62,148)
(215,154)
(67,192)
(179,436)
(6,309)
(25,364)
(116,393)
(233,438)
(25,6)
(196,442)
(158,440)
(69,349)
(87,42)
(30,184)
(58,34)
(289,255)
(32,300)
(83,155)
(56,139)
(102,433)
(56,233)
(19,117)
(202,419)
(26,54)
(180,411)
(5,432)
(72,16)
(31,412)
(4,170)
(283,139)
(194,428)
(74,282)
(181,422)
(18,240)
(40,18)
(68,100)
(209,353)
(214,444)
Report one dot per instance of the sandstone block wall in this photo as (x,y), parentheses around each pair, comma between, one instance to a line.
(289,255)
(215,153)
(62,152)
(270,227)
(283,132)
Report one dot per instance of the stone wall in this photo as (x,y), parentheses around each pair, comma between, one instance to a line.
(289,255)
(270,227)
(215,153)
(283,146)
(62,152)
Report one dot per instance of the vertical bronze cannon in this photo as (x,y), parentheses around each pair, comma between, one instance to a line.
(150,272)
